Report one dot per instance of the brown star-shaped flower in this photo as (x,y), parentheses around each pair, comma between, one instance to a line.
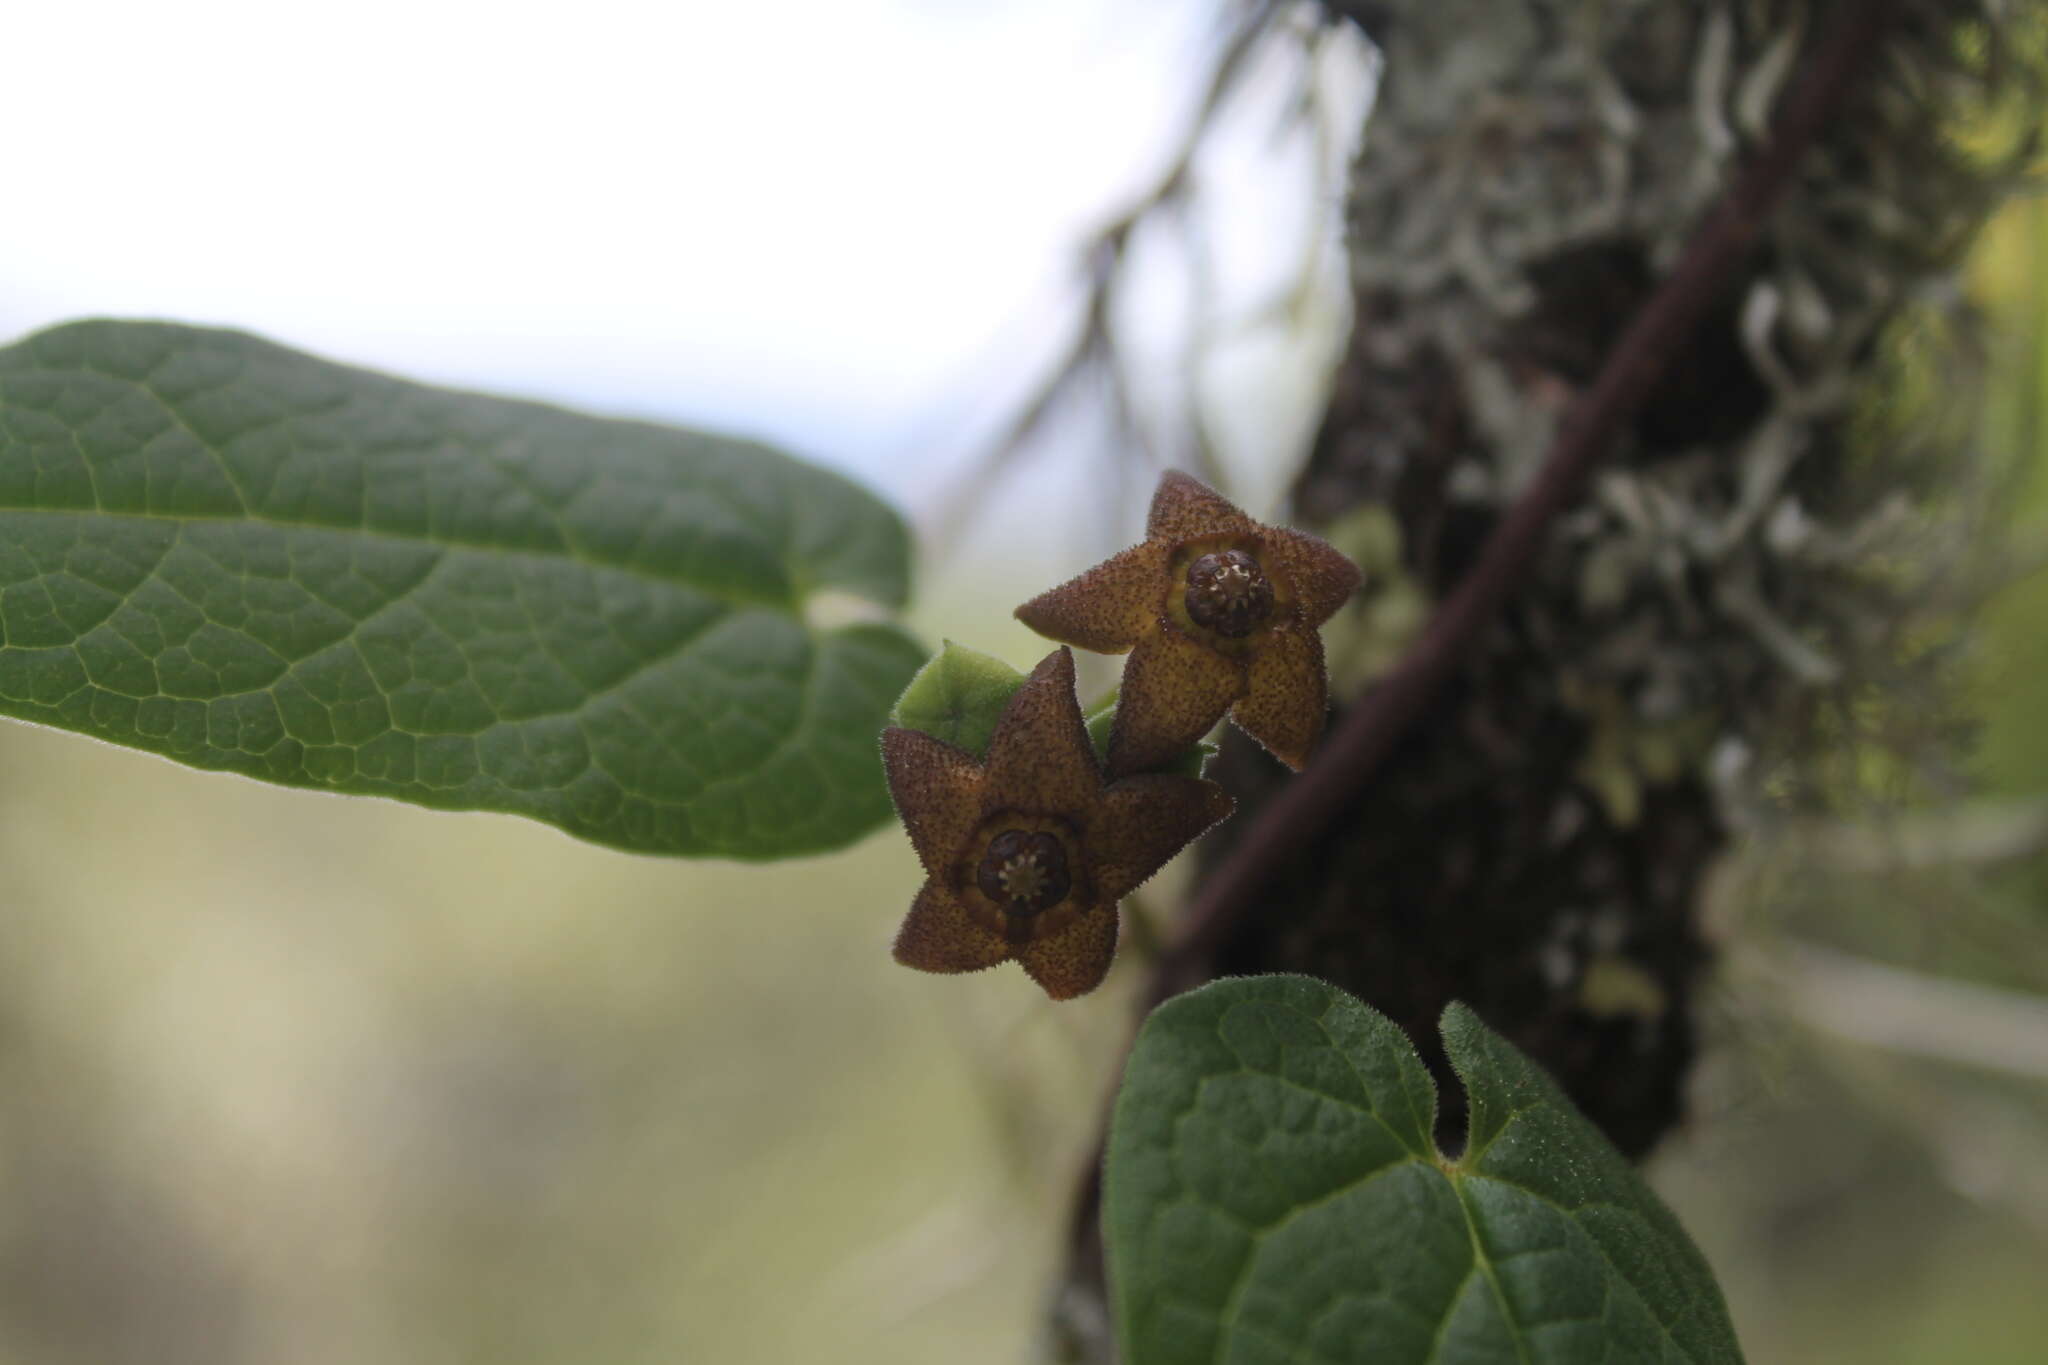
(1029,850)
(1219,614)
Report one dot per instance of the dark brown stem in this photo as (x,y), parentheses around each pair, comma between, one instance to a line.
(1307,806)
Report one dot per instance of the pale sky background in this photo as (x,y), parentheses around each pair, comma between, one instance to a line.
(847,227)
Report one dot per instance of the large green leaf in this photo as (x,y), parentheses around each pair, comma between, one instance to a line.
(1275,1195)
(246,558)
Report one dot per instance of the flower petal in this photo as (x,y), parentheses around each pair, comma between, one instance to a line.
(1288,693)
(940,936)
(1184,508)
(1073,961)
(1145,820)
(937,790)
(1173,690)
(1320,578)
(1109,608)
(1039,758)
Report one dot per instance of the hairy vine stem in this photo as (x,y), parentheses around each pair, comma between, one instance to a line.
(1306,807)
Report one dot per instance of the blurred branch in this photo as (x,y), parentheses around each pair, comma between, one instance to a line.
(922,1264)
(1982,832)
(1094,348)
(1898,1010)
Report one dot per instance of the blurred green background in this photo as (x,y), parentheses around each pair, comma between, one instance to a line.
(286,1077)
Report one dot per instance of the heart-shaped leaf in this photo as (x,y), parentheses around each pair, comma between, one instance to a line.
(246,558)
(1275,1195)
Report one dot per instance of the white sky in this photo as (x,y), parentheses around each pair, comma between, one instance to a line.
(845,226)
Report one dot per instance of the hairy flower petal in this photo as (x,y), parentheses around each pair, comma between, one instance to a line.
(1319,578)
(1288,693)
(1028,851)
(937,790)
(1184,508)
(1174,689)
(1143,821)
(1073,961)
(940,936)
(1219,613)
(1039,758)
(1109,608)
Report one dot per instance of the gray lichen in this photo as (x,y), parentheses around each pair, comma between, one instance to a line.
(1529,170)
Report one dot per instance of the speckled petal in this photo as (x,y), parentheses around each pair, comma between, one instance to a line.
(1073,961)
(937,790)
(1173,690)
(1184,508)
(1039,758)
(939,936)
(1143,821)
(1109,608)
(1284,706)
(1319,578)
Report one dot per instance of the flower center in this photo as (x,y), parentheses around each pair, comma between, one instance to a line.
(1228,593)
(1024,871)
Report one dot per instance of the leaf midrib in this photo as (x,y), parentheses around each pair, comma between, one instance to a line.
(1456,1174)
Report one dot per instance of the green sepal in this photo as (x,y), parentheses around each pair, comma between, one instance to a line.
(960,693)
(957,696)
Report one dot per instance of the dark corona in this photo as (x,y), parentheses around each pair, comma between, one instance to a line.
(1228,593)
(1024,871)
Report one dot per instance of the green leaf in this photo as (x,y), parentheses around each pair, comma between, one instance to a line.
(245,558)
(1274,1194)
